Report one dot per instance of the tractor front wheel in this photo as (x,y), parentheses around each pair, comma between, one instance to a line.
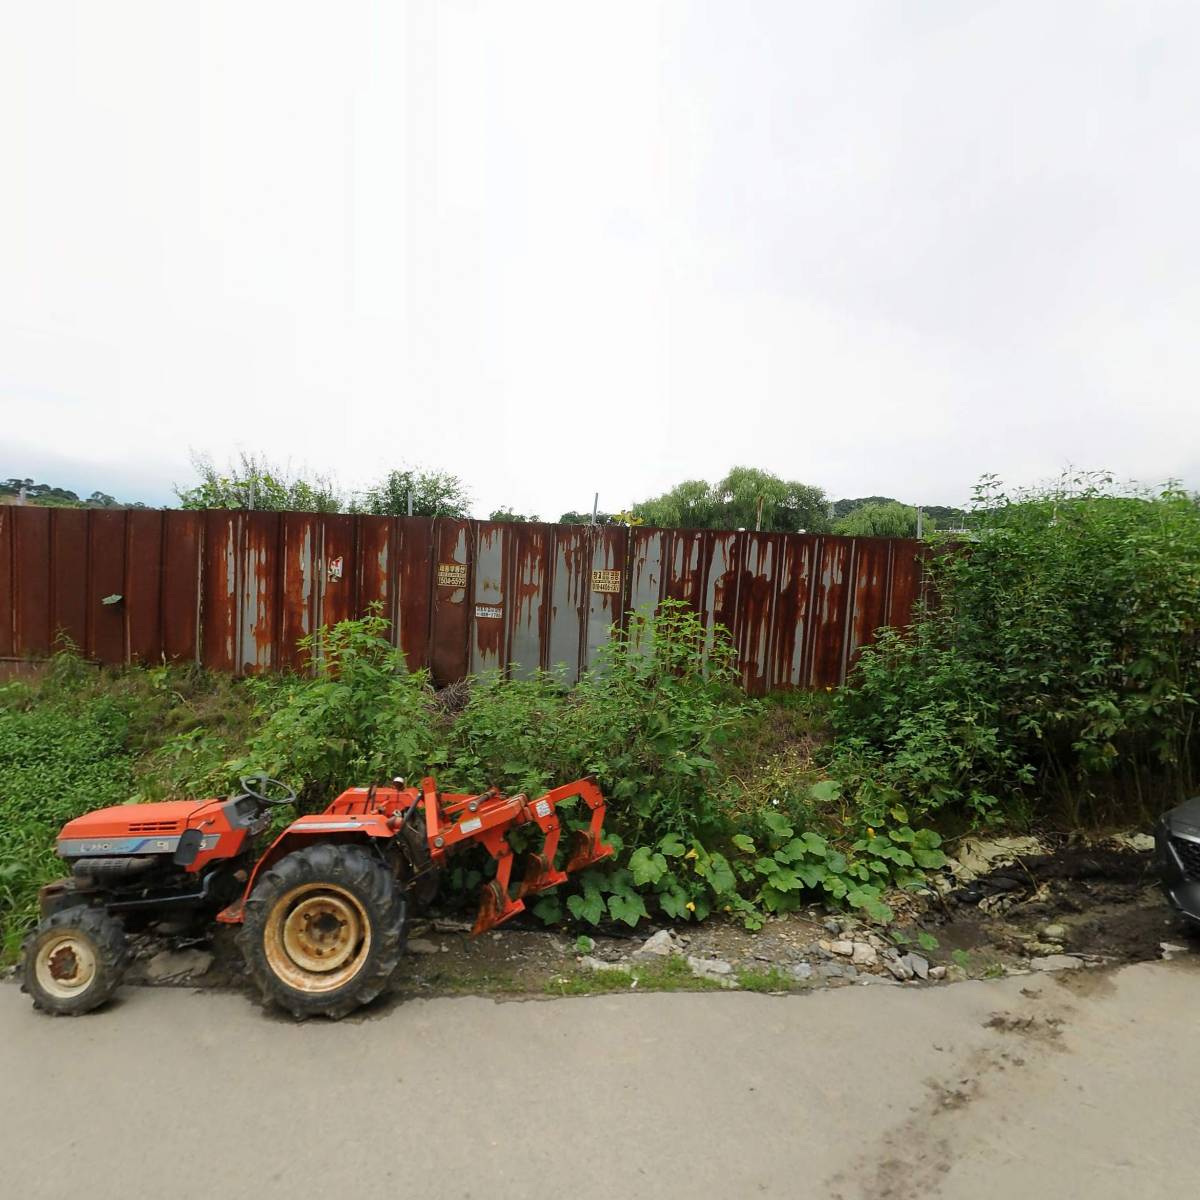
(324,930)
(74,960)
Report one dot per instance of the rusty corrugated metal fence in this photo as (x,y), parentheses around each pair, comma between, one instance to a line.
(235,590)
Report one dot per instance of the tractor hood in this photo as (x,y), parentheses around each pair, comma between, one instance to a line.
(130,828)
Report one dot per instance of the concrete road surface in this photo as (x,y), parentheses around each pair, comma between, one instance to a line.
(1047,1087)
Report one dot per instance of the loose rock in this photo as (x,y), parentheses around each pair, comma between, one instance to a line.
(801,971)
(709,968)
(937,972)
(1054,933)
(657,945)
(864,955)
(421,946)
(845,949)
(449,925)
(835,970)
(170,965)
(917,964)
(1056,962)
(598,964)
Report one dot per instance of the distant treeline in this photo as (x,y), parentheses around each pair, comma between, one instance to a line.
(746,498)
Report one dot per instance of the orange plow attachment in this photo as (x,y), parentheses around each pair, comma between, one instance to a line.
(454,820)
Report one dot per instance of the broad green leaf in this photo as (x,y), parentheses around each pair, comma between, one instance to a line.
(835,862)
(813,874)
(777,823)
(785,880)
(743,842)
(720,874)
(930,860)
(815,843)
(825,791)
(836,887)
(587,908)
(646,866)
(628,908)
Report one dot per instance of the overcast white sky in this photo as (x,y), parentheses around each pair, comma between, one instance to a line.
(560,247)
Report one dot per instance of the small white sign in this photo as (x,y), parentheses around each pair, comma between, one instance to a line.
(470,826)
(488,610)
(542,808)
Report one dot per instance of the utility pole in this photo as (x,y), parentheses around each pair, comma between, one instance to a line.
(410,502)
(595,506)
(758,514)
(920,522)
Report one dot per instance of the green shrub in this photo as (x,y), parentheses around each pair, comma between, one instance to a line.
(56,761)
(361,718)
(1057,676)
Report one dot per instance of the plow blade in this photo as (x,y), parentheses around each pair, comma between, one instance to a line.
(489,817)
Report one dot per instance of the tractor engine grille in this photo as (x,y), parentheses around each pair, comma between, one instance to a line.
(1189,855)
(154,827)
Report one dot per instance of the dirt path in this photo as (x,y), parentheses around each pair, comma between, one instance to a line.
(1072,1084)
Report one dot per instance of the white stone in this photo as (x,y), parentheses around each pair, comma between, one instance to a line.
(845,949)
(709,968)
(421,946)
(918,964)
(864,955)
(598,964)
(1056,962)
(1139,842)
(657,945)
(977,856)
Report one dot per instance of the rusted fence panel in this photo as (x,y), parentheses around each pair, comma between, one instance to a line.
(235,591)
(183,534)
(7,583)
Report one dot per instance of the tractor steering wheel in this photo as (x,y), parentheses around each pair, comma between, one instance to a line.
(266,790)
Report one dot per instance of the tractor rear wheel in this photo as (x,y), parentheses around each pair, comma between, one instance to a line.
(324,930)
(74,960)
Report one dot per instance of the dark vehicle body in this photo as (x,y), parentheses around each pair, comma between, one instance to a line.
(1177,846)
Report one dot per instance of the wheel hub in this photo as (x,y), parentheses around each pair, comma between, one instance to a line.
(65,965)
(317,937)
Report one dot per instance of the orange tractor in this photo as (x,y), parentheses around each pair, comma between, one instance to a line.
(323,909)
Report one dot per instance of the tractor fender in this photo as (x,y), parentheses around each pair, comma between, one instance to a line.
(308,831)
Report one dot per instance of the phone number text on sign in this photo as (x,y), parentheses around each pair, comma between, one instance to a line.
(606,581)
(452,575)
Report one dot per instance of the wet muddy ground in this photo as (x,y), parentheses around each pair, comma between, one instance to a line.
(1097,904)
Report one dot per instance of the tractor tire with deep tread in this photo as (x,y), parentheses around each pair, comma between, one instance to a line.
(74,960)
(324,929)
